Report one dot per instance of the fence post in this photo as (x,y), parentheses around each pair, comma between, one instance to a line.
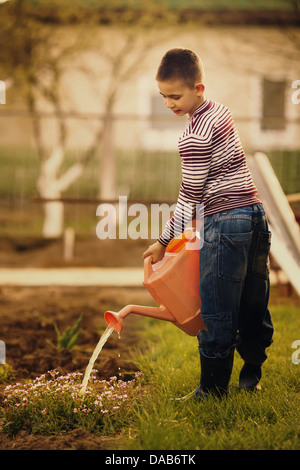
(2,92)
(2,352)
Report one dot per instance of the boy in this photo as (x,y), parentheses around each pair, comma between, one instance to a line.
(234,272)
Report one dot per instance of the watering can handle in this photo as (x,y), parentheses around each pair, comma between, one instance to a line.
(148,270)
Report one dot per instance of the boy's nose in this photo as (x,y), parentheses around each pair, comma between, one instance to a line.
(169,104)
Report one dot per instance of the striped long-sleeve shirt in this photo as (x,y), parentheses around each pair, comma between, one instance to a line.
(214,168)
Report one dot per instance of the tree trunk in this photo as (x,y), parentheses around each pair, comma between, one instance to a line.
(52,187)
(107,189)
(54,219)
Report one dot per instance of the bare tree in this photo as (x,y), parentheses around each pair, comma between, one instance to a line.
(38,55)
(35,58)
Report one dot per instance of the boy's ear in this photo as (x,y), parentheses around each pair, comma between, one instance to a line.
(200,88)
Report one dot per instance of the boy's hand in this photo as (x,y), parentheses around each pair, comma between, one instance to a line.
(156,251)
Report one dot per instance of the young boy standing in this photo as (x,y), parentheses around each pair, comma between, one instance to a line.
(234,270)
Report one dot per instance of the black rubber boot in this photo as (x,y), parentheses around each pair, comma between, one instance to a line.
(250,376)
(215,376)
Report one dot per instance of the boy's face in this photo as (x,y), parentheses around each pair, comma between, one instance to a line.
(179,98)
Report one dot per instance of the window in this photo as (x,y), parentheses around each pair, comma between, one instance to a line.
(273,105)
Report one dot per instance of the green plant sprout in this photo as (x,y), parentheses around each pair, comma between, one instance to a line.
(69,337)
(6,373)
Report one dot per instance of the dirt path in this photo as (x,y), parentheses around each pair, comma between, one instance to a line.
(102,277)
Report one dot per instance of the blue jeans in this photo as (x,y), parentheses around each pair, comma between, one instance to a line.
(234,285)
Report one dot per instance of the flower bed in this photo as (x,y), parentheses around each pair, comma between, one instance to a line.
(52,404)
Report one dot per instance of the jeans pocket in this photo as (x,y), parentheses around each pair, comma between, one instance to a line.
(260,263)
(233,255)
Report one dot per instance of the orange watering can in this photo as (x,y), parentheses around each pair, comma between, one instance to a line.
(173,283)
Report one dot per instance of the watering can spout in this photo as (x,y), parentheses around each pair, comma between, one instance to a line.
(112,319)
(115,319)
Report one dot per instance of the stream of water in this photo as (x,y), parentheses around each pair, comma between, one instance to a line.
(94,356)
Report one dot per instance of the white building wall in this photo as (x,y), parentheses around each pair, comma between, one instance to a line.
(236,59)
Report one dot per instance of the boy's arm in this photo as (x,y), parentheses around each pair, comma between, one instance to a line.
(186,206)
(156,251)
(196,151)
(185,211)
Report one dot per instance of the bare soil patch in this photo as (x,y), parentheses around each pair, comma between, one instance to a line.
(26,327)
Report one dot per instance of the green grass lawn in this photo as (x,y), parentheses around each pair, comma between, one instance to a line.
(265,420)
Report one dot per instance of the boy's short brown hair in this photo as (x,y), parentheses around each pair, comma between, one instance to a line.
(181,64)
